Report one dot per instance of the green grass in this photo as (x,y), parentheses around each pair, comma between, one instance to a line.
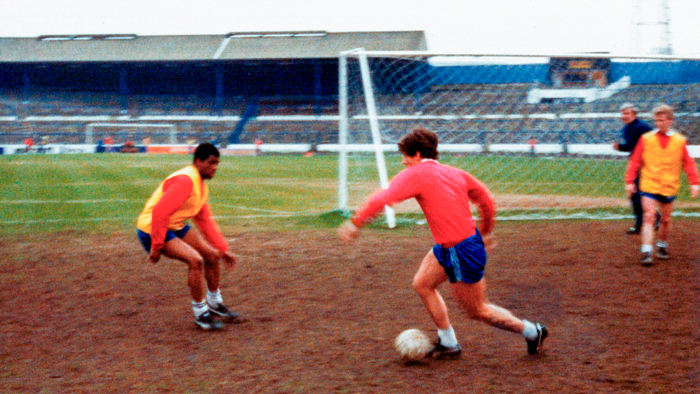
(526,175)
(546,175)
(104,193)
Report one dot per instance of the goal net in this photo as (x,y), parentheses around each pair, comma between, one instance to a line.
(138,133)
(538,131)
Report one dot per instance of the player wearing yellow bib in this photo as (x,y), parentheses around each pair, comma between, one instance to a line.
(658,159)
(162,229)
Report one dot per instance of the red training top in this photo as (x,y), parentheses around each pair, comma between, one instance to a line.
(443,193)
(176,191)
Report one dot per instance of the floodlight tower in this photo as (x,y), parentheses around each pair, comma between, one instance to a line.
(652,27)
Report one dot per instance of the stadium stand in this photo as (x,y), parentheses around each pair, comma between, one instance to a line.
(55,90)
(41,117)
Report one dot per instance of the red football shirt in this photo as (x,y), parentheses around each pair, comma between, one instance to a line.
(444,194)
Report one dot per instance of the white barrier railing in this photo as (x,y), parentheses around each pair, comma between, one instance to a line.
(539,149)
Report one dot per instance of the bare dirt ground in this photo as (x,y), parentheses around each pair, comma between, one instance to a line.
(87,313)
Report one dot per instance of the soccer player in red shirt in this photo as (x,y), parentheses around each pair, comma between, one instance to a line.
(459,255)
(162,230)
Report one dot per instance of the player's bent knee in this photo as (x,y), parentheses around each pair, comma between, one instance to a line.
(476,312)
(196,263)
(209,255)
(416,285)
(211,261)
(473,314)
(421,287)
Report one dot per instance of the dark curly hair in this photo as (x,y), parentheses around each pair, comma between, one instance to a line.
(420,140)
(204,150)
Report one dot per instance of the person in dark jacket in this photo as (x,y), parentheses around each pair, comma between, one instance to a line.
(631,132)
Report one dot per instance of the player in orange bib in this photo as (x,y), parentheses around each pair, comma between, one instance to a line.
(459,254)
(162,230)
(658,159)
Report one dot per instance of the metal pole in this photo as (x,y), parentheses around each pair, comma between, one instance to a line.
(376,135)
(343,133)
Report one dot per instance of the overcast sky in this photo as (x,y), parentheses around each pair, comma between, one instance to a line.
(469,26)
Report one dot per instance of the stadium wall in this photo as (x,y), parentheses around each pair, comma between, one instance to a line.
(640,73)
(491,74)
(654,73)
(308,77)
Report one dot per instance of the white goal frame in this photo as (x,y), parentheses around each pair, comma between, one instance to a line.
(89,129)
(374,127)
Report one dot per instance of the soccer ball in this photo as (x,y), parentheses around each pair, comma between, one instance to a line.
(412,344)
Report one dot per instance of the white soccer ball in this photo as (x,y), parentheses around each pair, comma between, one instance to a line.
(412,344)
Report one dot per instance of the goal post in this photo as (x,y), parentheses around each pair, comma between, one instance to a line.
(343,138)
(376,136)
(537,130)
(159,133)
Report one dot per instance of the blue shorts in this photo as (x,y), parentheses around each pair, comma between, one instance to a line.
(465,261)
(658,197)
(170,234)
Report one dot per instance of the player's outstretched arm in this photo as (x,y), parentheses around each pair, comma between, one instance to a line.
(691,170)
(154,256)
(490,242)
(230,260)
(348,232)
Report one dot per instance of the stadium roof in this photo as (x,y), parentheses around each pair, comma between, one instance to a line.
(231,46)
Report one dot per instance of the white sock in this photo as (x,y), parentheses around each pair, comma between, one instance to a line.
(530,330)
(448,337)
(214,298)
(199,307)
(662,244)
(647,248)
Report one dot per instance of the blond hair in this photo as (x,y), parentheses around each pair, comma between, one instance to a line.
(663,109)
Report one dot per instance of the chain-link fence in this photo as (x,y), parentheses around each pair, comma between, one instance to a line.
(538,131)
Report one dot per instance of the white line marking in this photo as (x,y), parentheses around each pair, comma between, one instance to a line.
(21,202)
